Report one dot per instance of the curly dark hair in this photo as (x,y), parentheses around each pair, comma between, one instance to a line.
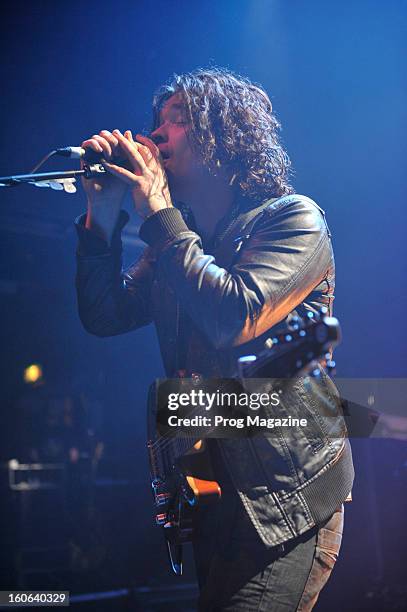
(233,125)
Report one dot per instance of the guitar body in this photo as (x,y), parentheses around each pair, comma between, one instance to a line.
(198,489)
(181,475)
(180,483)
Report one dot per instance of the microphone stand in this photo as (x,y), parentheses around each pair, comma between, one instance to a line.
(56,180)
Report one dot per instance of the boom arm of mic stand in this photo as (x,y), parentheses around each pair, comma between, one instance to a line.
(19,179)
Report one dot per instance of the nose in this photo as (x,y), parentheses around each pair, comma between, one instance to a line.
(158,135)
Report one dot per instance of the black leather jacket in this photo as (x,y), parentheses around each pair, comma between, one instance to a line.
(265,264)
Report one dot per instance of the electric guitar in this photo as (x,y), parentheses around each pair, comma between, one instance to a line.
(181,477)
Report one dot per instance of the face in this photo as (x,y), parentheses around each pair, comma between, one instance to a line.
(182,165)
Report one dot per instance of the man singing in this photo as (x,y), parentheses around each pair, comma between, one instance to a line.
(232,253)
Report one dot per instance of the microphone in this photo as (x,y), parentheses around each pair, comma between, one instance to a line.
(80,153)
(90,156)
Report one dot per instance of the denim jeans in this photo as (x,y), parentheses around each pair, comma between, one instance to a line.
(237,572)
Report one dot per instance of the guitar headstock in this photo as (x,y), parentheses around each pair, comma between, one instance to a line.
(295,350)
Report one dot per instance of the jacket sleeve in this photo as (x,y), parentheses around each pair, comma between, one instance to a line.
(285,258)
(111,302)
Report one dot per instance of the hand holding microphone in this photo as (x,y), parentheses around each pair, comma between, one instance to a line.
(105,193)
(129,163)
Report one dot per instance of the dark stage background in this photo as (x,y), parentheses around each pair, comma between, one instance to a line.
(336,73)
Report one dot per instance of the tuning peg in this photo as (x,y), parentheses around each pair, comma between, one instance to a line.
(270,342)
(294,323)
(330,366)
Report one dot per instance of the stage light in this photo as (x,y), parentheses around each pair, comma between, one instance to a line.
(33,373)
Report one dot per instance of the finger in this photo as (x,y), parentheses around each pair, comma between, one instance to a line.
(90,144)
(121,173)
(150,144)
(129,135)
(132,153)
(106,148)
(145,152)
(112,140)
(93,144)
